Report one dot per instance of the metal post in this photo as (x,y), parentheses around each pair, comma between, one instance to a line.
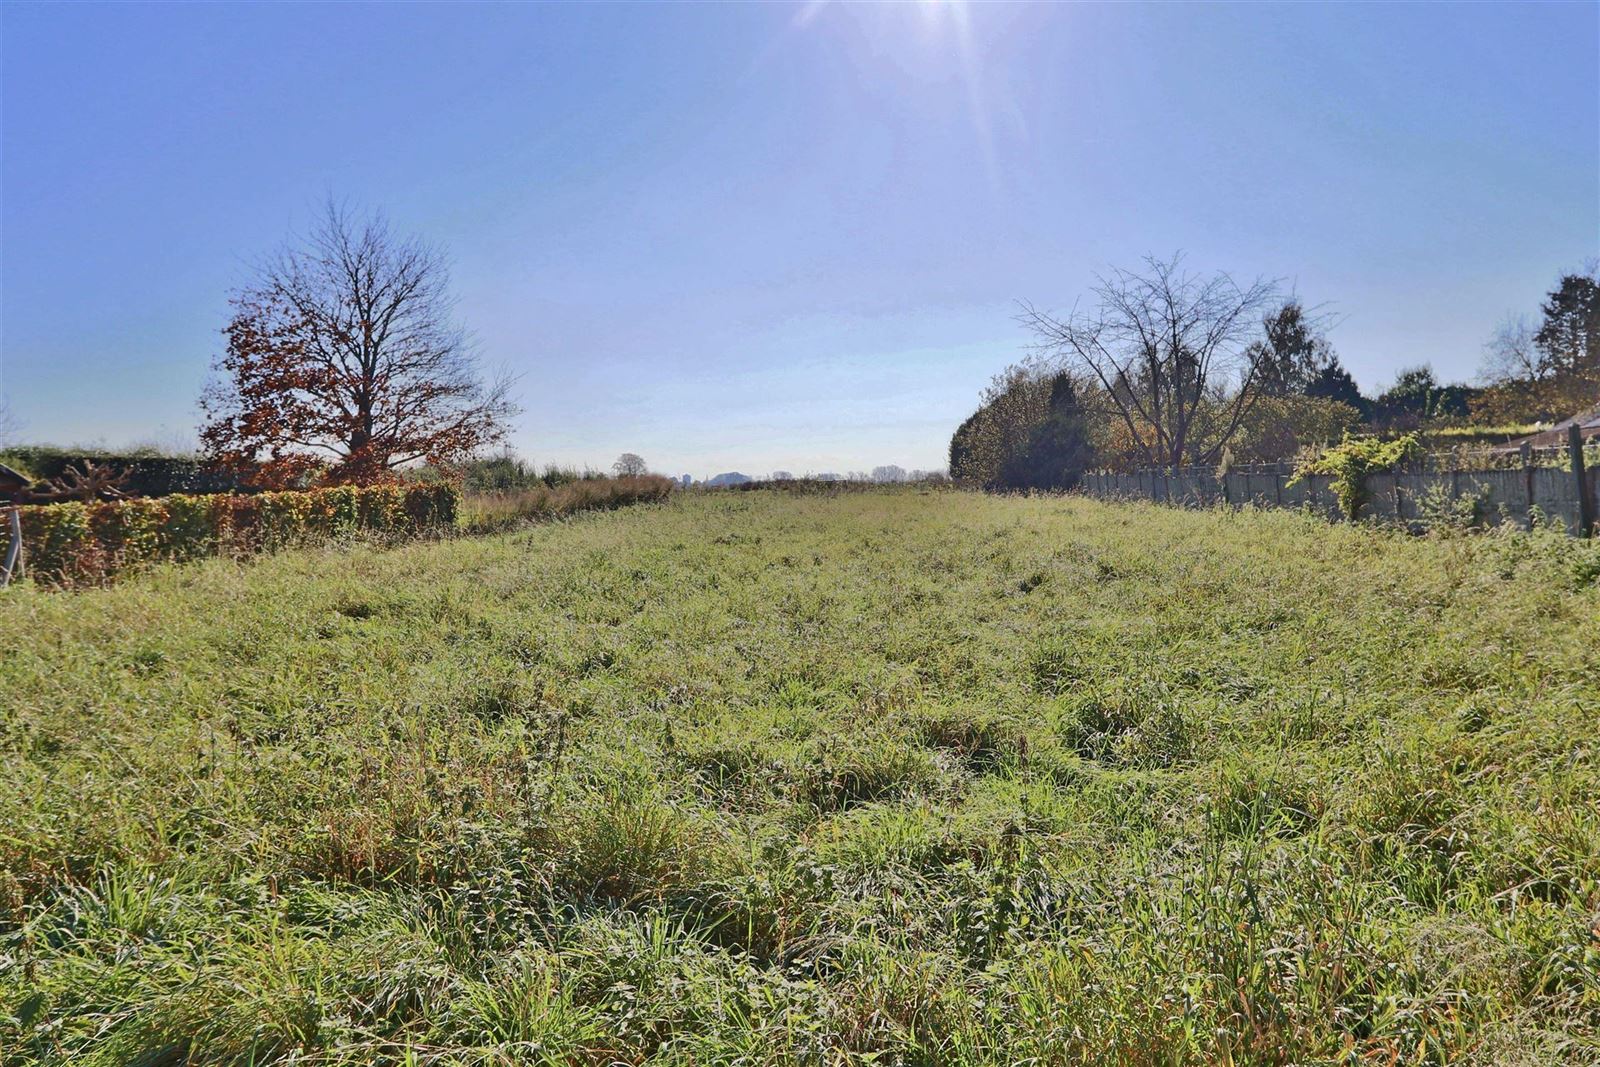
(14,550)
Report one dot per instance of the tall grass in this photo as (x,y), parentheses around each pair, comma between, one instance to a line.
(757,778)
(489,512)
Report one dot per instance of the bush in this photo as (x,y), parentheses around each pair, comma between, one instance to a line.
(1032,432)
(503,473)
(71,543)
(1351,461)
(1276,428)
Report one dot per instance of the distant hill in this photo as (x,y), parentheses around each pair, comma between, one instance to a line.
(729,478)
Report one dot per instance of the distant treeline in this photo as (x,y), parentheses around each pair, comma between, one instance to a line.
(489,512)
(814,486)
(507,472)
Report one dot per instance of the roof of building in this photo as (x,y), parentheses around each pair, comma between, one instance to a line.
(1587,422)
(11,480)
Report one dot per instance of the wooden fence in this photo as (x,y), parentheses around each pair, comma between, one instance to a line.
(1567,495)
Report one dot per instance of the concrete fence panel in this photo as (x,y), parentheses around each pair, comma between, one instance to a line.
(1554,494)
(1498,495)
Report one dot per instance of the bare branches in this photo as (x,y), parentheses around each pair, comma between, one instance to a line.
(347,345)
(1169,350)
(90,482)
(1549,367)
(1511,354)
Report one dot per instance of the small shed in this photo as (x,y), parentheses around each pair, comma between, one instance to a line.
(12,484)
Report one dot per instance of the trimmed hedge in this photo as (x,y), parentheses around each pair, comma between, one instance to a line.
(71,543)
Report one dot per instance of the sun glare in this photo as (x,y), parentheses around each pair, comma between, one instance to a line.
(946,23)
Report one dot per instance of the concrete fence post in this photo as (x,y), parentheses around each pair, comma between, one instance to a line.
(1526,451)
(1580,482)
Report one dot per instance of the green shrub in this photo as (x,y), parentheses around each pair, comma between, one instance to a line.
(1352,460)
(281,519)
(194,526)
(335,511)
(129,533)
(431,505)
(383,510)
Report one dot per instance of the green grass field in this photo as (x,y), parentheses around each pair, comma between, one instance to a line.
(884,777)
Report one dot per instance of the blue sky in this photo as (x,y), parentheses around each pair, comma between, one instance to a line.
(775,236)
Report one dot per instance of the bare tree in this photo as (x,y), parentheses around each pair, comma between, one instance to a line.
(629,465)
(1170,353)
(1549,368)
(345,352)
(889,473)
(1511,354)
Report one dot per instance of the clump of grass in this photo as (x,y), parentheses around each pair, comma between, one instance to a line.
(1251,799)
(844,772)
(626,841)
(983,742)
(1127,725)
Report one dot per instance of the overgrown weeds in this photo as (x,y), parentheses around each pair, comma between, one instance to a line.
(489,512)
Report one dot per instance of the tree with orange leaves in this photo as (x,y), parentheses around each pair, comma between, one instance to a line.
(344,363)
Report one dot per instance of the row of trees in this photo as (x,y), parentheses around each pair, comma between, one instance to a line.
(1161,367)
(1165,367)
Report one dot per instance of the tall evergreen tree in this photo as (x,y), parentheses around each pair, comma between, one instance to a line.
(1568,339)
(1333,382)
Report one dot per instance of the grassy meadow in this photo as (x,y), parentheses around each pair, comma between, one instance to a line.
(893,777)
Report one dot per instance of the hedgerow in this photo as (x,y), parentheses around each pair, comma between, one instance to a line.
(72,543)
